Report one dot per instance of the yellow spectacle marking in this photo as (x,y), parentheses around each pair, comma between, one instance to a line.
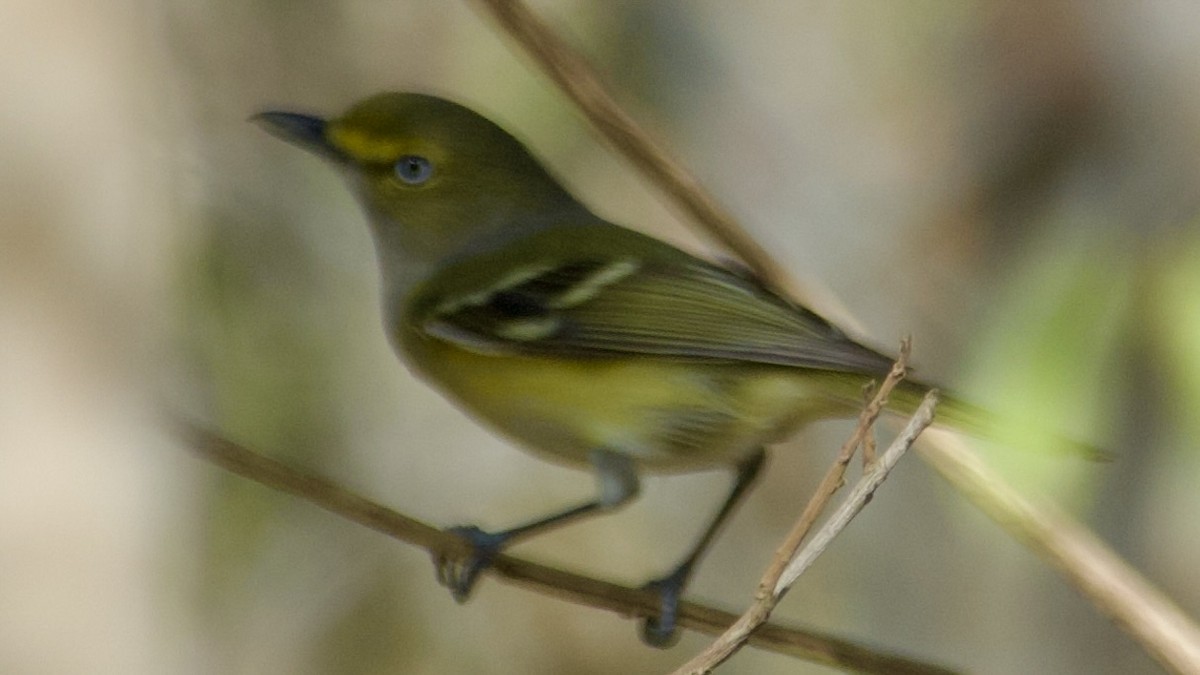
(367,147)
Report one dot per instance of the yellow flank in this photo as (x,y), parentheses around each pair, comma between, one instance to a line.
(665,414)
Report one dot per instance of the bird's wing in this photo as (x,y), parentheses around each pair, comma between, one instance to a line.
(678,307)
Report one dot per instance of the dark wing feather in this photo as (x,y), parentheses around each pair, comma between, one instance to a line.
(594,308)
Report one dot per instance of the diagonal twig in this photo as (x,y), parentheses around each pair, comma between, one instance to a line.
(580,82)
(790,561)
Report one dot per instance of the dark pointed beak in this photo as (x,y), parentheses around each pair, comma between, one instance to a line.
(305,131)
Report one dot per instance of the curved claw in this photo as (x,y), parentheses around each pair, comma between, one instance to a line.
(460,574)
(662,631)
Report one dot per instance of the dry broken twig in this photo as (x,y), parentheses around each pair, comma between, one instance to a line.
(790,561)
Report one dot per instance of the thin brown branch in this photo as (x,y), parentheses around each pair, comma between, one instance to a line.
(832,481)
(575,588)
(861,494)
(1162,629)
(869,454)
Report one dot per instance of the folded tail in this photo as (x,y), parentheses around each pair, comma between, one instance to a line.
(955,413)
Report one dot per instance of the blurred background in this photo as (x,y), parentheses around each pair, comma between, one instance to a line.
(1014,184)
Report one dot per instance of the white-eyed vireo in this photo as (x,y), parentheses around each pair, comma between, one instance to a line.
(578,339)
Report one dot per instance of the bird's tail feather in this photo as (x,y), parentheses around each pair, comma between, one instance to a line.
(956,413)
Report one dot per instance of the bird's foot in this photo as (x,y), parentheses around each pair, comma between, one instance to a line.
(662,631)
(459,574)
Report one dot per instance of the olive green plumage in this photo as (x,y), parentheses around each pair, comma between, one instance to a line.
(579,339)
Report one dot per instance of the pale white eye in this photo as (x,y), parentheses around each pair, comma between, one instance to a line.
(413,169)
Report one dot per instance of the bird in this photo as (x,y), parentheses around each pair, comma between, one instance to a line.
(580,340)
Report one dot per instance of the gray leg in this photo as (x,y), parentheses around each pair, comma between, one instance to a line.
(660,631)
(617,484)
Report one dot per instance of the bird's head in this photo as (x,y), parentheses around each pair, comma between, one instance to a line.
(435,177)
